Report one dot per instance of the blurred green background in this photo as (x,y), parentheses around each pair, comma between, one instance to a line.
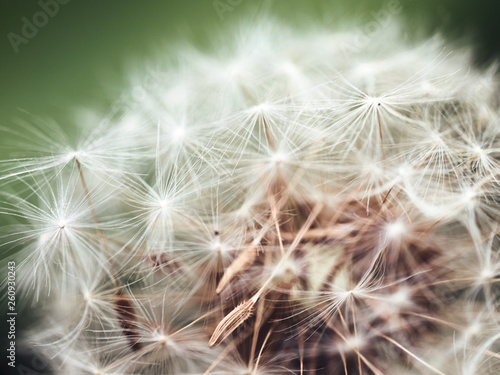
(81,56)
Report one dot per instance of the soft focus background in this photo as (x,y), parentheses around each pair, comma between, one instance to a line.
(82,54)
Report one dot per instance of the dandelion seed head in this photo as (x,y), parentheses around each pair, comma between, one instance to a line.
(487,274)
(353,343)
(374,101)
(164,203)
(278,158)
(469,195)
(179,134)
(395,230)
(437,139)
(162,339)
(277,206)
(477,149)
(87,295)
(219,247)
(75,155)
(473,329)
(260,108)
(401,298)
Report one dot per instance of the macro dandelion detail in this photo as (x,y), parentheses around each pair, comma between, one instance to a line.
(278,205)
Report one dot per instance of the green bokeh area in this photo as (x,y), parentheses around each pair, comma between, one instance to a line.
(82,55)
